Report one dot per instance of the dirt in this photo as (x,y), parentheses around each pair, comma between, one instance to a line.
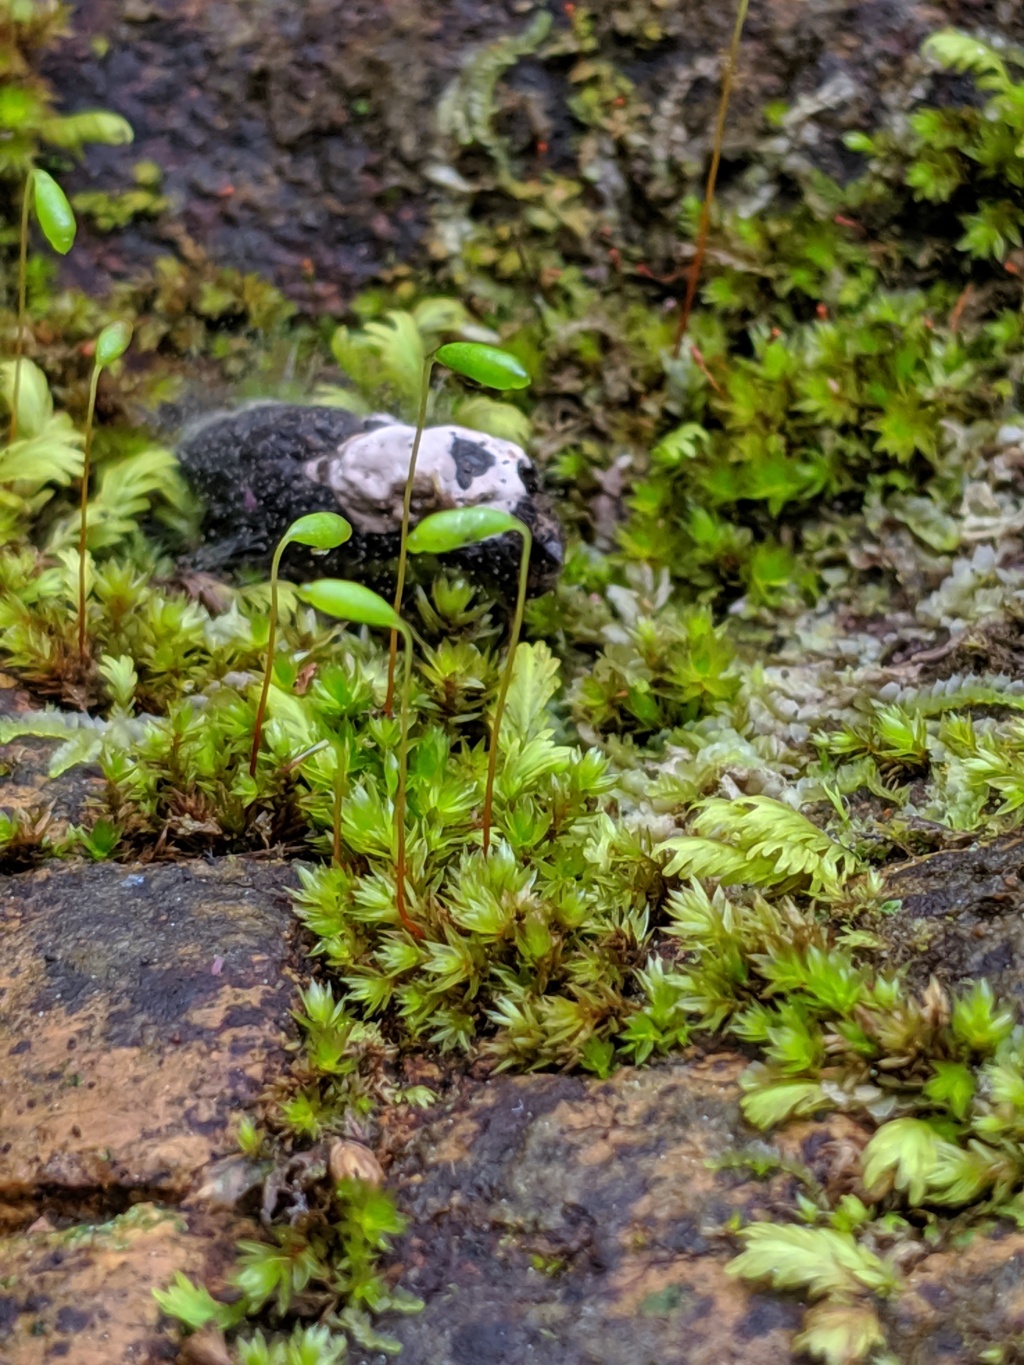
(993,646)
(571,1221)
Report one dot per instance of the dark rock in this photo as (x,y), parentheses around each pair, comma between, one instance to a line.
(258,469)
(119,1165)
(570,1221)
(98,1307)
(959,1305)
(118,960)
(322,117)
(961,917)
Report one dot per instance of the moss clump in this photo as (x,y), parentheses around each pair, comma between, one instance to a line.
(695,809)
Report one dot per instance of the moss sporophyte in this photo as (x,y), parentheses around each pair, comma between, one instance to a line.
(485,365)
(319,531)
(451,530)
(354,602)
(773,703)
(111,345)
(57,222)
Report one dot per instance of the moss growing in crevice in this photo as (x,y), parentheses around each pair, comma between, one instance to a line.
(750,698)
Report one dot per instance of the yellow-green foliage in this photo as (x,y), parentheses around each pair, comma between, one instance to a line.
(688,829)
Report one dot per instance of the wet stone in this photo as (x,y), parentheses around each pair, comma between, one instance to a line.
(154,1004)
(962,916)
(84,1295)
(959,1304)
(302,141)
(569,1221)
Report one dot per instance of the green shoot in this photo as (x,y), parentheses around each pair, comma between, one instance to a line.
(728,73)
(352,602)
(58,224)
(320,531)
(487,365)
(193,1305)
(338,797)
(55,214)
(111,345)
(451,530)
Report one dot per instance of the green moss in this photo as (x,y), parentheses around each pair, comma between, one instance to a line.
(111,212)
(713,746)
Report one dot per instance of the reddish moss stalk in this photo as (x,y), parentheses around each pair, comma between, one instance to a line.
(403,553)
(261,709)
(506,678)
(415,929)
(83,527)
(728,73)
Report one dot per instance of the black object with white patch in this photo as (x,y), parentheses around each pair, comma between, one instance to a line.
(249,469)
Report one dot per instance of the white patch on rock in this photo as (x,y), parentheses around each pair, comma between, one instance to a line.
(455,467)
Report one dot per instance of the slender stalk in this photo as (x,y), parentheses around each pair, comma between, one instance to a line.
(83,525)
(336,815)
(421,421)
(19,340)
(506,678)
(293,763)
(728,73)
(400,796)
(257,729)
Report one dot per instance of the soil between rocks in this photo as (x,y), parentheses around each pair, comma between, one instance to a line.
(961,916)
